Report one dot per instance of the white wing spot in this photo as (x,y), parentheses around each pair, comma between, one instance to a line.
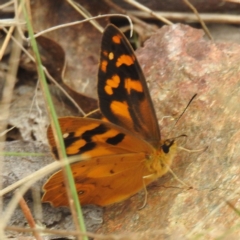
(65,135)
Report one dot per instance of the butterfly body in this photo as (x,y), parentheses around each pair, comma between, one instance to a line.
(123,153)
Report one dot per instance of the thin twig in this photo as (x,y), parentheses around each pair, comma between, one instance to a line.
(134,19)
(59,232)
(85,14)
(6,102)
(10,32)
(80,22)
(7,4)
(12,205)
(28,215)
(48,75)
(40,174)
(63,91)
(234,1)
(190,17)
(148,10)
(199,18)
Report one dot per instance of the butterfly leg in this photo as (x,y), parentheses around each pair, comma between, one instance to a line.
(176,177)
(145,188)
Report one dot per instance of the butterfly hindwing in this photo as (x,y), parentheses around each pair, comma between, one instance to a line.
(99,180)
(92,137)
(110,159)
(123,93)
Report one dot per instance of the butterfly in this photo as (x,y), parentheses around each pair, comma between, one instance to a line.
(124,150)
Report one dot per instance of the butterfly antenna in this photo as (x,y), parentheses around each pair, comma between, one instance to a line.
(185,109)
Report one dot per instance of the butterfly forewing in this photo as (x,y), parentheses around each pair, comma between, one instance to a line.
(123,94)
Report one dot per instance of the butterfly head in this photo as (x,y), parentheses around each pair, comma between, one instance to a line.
(168,151)
(167,145)
(168,148)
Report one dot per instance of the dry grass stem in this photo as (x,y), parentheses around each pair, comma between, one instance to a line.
(28,215)
(145,9)
(199,18)
(191,17)
(134,19)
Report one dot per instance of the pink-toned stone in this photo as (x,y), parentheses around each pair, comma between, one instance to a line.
(178,62)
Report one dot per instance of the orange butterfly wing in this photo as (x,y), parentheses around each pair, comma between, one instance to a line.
(92,137)
(123,94)
(101,180)
(116,167)
(125,153)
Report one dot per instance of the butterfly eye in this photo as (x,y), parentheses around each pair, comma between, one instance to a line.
(166,145)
